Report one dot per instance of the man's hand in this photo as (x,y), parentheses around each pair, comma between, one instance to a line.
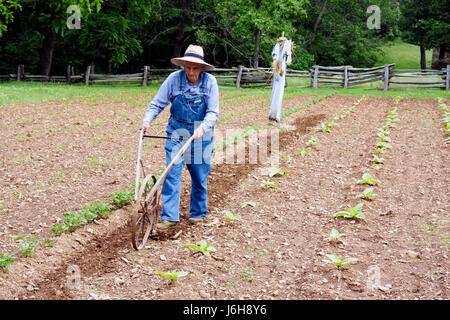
(198,133)
(146,127)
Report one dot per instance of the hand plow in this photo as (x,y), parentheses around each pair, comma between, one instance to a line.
(147,202)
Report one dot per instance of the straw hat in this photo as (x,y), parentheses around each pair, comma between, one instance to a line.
(193,54)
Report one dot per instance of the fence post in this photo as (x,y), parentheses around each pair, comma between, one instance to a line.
(315,76)
(345,77)
(86,76)
(386,77)
(239,76)
(144,81)
(20,72)
(68,73)
(447,78)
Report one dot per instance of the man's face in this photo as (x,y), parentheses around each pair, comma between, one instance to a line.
(193,71)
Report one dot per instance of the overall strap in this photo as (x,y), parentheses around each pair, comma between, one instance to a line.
(182,80)
(204,82)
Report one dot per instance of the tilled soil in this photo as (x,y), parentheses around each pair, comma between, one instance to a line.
(277,249)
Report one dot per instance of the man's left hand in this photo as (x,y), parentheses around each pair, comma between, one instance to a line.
(198,133)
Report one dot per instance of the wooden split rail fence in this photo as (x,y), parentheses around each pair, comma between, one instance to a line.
(242,77)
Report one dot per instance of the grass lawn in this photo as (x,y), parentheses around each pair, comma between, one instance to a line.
(404,55)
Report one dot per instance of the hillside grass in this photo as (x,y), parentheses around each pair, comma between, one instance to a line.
(404,55)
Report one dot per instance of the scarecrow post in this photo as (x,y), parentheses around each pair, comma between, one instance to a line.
(281,55)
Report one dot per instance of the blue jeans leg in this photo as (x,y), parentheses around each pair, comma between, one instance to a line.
(172,185)
(199,189)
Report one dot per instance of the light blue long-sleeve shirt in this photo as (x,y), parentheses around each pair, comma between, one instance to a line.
(171,87)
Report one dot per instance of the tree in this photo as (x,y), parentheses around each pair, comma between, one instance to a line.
(7,9)
(49,17)
(426,23)
(111,35)
(248,29)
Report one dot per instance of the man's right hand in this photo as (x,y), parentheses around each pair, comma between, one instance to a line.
(145,126)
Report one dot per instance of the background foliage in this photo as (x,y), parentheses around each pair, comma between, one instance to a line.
(123,35)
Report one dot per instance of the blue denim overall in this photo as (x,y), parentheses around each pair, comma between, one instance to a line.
(186,113)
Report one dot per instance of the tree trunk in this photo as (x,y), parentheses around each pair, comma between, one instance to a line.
(423,62)
(256,51)
(46,57)
(184,12)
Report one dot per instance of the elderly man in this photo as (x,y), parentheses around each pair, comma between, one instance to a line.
(194,98)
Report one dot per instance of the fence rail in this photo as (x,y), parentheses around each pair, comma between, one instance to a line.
(243,77)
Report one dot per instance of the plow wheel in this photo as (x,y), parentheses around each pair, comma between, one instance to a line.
(145,215)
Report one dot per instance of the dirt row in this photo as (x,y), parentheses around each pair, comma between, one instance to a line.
(277,250)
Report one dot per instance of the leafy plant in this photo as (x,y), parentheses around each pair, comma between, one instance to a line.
(335,235)
(323,127)
(335,260)
(121,198)
(230,216)
(303,152)
(312,141)
(248,203)
(274,171)
(366,194)
(384,137)
(28,246)
(354,213)
(367,179)
(377,159)
(203,247)
(268,184)
(5,262)
(172,275)
(383,145)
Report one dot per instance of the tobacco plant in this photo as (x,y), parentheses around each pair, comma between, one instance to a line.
(367,179)
(335,260)
(203,247)
(335,235)
(354,213)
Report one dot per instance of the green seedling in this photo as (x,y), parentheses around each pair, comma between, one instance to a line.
(173,275)
(383,145)
(366,194)
(273,171)
(204,247)
(266,184)
(303,152)
(248,203)
(383,137)
(384,131)
(367,179)
(377,159)
(335,235)
(231,216)
(288,158)
(331,123)
(323,127)
(121,199)
(354,213)
(312,141)
(334,259)
(5,262)
(28,246)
